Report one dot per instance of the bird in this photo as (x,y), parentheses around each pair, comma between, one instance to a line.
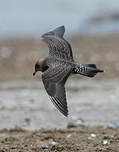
(58,66)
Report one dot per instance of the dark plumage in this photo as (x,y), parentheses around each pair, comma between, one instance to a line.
(58,66)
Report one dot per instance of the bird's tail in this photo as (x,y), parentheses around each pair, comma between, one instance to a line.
(89,70)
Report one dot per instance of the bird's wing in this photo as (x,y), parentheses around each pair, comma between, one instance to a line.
(54,81)
(58,46)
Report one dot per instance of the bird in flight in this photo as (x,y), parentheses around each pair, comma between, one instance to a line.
(58,66)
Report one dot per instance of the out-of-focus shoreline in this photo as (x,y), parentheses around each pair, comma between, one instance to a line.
(18,56)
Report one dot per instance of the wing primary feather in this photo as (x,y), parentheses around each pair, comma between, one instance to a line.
(62,106)
(61,109)
(61,103)
(54,101)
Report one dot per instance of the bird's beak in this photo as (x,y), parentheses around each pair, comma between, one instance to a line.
(34,73)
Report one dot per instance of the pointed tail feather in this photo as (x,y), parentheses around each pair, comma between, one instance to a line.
(89,70)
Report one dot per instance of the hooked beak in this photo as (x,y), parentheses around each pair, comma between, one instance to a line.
(34,73)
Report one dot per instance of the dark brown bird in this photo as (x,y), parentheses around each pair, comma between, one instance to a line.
(58,66)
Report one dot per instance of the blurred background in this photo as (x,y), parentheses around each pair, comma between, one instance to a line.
(92,28)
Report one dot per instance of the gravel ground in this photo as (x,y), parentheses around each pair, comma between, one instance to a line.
(82,139)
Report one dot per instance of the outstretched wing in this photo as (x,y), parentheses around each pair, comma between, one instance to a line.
(58,46)
(54,81)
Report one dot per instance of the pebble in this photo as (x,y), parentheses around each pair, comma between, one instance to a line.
(53,143)
(69,135)
(44,147)
(106,142)
(92,136)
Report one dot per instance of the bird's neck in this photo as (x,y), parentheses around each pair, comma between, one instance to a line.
(44,66)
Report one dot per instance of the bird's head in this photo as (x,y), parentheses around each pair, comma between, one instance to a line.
(38,66)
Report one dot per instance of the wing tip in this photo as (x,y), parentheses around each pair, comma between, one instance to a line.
(63,110)
(59,32)
(62,27)
(66,115)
